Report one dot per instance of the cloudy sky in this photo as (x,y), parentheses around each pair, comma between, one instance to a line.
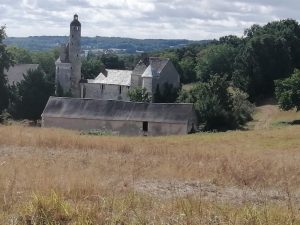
(189,19)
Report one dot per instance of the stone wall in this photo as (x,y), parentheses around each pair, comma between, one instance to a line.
(117,127)
(62,78)
(168,75)
(105,91)
(75,60)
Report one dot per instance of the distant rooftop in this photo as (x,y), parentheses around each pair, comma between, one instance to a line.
(15,73)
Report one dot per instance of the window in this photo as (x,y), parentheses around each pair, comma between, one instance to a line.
(120,90)
(145,126)
(102,87)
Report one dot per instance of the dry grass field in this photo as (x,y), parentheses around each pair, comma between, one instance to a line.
(53,176)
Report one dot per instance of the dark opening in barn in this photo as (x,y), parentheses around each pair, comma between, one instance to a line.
(145,126)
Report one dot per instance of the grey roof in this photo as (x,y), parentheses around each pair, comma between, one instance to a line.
(153,64)
(117,110)
(157,65)
(15,73)
(116,77)
(140,68)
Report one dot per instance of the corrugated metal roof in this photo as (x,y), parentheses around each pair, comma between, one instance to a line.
(116,77)
(15,73)
(118,110)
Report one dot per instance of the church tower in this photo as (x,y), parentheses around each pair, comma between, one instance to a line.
(74,56)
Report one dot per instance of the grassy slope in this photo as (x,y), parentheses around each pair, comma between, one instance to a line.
(249,177)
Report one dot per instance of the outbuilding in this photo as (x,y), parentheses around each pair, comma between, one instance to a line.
(119,117)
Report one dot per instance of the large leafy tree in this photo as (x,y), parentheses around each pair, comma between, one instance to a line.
(270,52)
(30,96)
(216,59)
(5,62)
(218,106)
(264,59)
(287,92)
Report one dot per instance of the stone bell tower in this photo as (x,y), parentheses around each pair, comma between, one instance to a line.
(74,56)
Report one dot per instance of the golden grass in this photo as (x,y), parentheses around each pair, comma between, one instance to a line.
(102,178)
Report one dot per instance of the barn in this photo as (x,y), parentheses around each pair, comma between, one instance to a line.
(119,117)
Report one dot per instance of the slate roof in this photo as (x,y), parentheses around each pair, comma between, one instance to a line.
(116,77)
(112,110)
(157,65)
(15,73)
(140,68)
(153,66)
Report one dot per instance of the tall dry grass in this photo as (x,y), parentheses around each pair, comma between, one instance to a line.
(126,180)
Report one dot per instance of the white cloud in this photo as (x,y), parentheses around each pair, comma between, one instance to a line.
(192,19)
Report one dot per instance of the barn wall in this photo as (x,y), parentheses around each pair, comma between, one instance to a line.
(117,127)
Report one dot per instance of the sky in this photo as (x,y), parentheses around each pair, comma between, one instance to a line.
(167,19)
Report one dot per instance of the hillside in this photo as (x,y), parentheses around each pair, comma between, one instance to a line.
(129,45)
(240,177)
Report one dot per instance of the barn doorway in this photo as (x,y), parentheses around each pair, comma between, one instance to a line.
(145,127)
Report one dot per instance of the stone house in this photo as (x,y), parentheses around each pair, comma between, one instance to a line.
(152,73)
(119,117)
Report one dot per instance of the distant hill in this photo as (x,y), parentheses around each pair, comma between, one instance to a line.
(128,45)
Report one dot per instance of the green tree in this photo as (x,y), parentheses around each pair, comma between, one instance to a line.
(139,94)
(264,59)
(166,94)
(216,59)
(217,108)
(19,55)
(270,52)
(5,63)
(91,67)
(31,95)
(46,61)
(287,91)
(112,61)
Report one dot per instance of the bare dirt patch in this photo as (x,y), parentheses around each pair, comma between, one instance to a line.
(211,192)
